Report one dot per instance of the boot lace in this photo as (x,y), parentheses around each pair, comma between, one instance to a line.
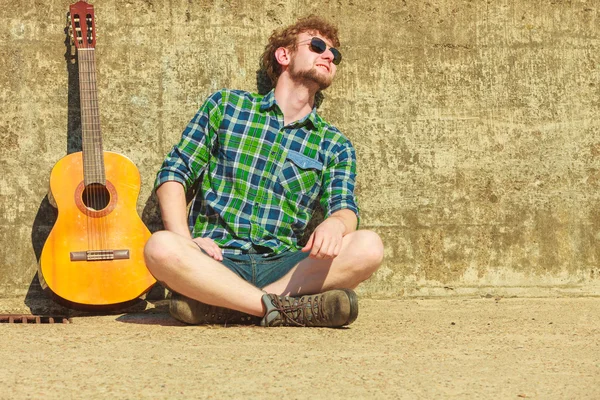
(299,311)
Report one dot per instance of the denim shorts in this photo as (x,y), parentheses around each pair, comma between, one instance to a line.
(261,270)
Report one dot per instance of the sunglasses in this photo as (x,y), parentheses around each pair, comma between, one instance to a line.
(319,46)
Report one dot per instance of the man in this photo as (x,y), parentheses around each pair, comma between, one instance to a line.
(264,163)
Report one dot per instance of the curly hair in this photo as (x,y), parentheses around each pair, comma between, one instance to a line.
(287,37)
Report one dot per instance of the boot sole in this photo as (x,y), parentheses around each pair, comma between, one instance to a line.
(353,298)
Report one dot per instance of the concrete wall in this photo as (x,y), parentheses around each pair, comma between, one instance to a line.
(476,125)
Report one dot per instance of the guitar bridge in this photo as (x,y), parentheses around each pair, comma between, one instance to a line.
(99,255)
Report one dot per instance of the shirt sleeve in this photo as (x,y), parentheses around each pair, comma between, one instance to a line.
(188,159)
(339,179)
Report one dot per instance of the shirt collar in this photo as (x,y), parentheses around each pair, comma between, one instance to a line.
(268,102)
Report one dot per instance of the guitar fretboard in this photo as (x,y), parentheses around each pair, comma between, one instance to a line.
(93,159)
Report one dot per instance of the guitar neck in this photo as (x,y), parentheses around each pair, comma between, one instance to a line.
(93,156)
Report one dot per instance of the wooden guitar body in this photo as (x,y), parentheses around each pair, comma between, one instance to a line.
(94,253)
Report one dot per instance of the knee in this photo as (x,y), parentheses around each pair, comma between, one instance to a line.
(368,251)
(371,247)
(159,249)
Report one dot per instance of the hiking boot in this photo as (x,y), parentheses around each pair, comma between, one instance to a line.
(194,312)
(333,309)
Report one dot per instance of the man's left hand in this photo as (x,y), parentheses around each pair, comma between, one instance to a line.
(326,240)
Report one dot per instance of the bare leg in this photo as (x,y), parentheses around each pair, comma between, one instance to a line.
(179,263)
(360,256)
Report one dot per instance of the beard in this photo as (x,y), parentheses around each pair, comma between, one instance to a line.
(311,75)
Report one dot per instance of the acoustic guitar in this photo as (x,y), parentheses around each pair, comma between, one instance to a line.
(94,253)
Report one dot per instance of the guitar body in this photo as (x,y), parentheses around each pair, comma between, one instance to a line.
(76,261)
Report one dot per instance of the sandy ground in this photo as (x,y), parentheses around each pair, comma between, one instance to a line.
(480,348)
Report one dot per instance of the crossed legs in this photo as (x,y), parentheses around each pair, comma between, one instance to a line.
(179,263)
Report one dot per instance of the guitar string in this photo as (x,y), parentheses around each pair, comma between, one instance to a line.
(100,190)
(93,151)
(83,100)
(95,195)
(103,195)
(92,131)
(105,192)
(85,140)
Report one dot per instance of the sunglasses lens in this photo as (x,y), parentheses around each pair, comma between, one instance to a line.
(318,46)
(337,56)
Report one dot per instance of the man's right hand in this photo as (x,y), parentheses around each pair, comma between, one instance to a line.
(210,247)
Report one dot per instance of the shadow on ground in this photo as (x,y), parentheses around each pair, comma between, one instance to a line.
(159,315)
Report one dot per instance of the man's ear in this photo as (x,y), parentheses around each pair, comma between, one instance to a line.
(283,56)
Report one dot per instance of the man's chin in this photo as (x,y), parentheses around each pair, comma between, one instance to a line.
(321,80)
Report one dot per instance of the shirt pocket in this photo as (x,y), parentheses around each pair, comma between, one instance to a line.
(300,175)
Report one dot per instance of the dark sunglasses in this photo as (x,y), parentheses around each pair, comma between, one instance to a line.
(319,46)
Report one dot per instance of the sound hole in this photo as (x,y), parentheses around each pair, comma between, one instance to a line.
(95,197)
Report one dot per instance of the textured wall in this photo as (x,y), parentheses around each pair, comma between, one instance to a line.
(476,125)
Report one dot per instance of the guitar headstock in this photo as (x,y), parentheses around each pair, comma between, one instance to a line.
(83,25)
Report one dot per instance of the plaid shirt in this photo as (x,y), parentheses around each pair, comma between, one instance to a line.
(260,180)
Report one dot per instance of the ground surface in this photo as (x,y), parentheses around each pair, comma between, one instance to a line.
(451,348)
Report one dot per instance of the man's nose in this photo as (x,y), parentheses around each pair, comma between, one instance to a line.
(328,54)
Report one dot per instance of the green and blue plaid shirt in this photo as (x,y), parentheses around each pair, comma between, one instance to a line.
(260,180)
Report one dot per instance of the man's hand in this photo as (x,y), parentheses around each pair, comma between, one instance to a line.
(326,240)
(171,197)
(210,247)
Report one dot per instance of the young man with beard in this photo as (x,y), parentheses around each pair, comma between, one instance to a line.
(263,163)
